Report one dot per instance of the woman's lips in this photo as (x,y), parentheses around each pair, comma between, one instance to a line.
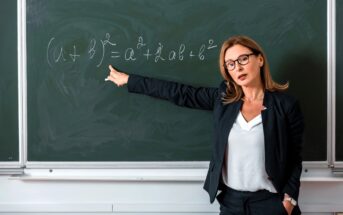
(242,77)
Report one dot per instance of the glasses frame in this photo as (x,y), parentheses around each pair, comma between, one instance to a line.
(237,60)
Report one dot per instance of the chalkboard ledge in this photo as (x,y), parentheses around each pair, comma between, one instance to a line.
(144,175)
(11,171)
(321,179)
(150,175)
(118,165)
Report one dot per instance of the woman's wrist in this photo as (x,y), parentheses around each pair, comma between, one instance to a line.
(127,78)
(289,199)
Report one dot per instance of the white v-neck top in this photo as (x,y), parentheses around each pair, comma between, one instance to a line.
(244,168)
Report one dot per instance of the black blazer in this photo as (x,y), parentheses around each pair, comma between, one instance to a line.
(282,124)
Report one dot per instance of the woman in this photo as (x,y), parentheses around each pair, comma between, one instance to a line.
(256,161)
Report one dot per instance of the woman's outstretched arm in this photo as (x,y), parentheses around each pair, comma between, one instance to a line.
(180,94)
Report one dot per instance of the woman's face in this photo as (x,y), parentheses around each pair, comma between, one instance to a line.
(244,75)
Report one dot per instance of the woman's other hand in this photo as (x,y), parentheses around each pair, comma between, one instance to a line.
(288,206)
(119,78)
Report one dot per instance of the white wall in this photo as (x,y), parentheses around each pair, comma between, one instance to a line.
(139,191)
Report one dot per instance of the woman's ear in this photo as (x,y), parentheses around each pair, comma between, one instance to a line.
(261,60)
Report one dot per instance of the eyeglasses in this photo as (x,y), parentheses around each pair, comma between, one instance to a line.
(242,60)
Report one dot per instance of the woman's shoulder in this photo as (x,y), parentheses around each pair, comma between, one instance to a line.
(222,86)
(282,95)
(283,99)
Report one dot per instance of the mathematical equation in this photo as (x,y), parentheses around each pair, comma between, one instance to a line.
(56,54)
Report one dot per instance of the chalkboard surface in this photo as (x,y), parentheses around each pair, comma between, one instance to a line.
(339,81)
(9,144)
(73,115)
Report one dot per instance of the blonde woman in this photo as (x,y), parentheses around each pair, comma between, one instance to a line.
(256,161)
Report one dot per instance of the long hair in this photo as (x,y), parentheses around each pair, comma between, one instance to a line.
(234,92)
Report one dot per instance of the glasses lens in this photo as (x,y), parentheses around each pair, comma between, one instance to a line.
(230,65)
(243,59)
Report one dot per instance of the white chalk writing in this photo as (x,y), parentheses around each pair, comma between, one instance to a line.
(107,47)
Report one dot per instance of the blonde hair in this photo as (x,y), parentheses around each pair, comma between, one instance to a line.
(234,92)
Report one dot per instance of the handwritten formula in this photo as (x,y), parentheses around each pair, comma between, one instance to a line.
(57,54)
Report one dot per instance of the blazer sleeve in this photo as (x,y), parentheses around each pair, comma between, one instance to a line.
(296,128)
(179,94)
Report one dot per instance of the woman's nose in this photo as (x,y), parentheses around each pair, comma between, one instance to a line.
(238,67)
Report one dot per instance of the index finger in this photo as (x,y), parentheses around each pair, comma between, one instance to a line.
(112,69)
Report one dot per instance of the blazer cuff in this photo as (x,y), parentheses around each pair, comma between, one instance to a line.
(294,194)
(132,82)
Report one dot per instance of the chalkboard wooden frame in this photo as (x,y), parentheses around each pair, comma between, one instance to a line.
(34,21)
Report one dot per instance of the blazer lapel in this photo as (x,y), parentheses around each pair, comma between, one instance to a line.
(267,121)
(230,113)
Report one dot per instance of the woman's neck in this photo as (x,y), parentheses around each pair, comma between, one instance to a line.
(253,93)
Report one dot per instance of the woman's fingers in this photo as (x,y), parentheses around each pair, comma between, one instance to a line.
(111,68)
(117,77)
(114,74)
(114,80)
(109,78)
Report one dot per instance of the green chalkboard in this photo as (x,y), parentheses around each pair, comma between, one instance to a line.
(9,144)
(73,115)
(339,81)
